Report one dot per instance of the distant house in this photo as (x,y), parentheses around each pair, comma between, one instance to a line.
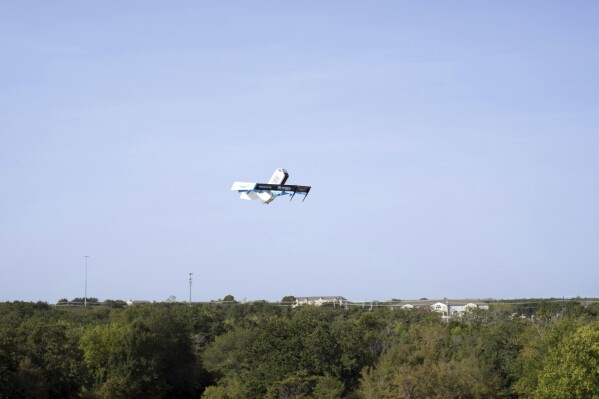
(439,307)
(321,300)
(132,302)
(460,309)
(455,308)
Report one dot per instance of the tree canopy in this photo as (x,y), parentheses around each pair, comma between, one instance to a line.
(261,350)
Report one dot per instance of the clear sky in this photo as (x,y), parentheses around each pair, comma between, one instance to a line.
(452,147)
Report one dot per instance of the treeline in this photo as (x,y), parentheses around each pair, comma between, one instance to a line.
(262,350)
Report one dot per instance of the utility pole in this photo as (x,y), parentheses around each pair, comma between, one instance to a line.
(85,297)
(190,274)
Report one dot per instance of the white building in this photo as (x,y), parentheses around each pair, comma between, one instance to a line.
(439,307)
(454,308)
(320,300)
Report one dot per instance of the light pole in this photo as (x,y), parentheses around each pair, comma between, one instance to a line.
(85,297)
(190,274)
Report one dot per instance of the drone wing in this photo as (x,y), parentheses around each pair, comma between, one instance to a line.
(287,189)
(246,190)
(267,192)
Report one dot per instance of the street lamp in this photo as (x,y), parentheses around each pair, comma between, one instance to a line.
(85,298)
(190,274)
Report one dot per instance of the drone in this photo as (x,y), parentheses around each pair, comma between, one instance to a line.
(268,192)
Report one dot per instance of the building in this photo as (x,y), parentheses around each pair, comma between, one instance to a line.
(456,308)
(321,300)
(453,307)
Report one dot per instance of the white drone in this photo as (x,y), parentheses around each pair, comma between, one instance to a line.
(268,192)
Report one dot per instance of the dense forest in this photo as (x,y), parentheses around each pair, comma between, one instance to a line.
(263,350)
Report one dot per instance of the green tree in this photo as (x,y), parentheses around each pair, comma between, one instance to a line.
(538,341)
(500,346)
(89,300)
(146,352)
(53,348)
(571,370)
(39,354)
(116,304)
(328,387)
(292,387)
(232,388)
(303,386)
(8,364)
(272,350)
(426,361)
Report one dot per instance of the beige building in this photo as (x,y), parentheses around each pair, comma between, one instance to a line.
(321,300)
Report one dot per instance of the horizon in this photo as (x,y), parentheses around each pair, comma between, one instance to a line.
(93,301)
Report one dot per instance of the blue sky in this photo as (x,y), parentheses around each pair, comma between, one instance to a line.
(452,147)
